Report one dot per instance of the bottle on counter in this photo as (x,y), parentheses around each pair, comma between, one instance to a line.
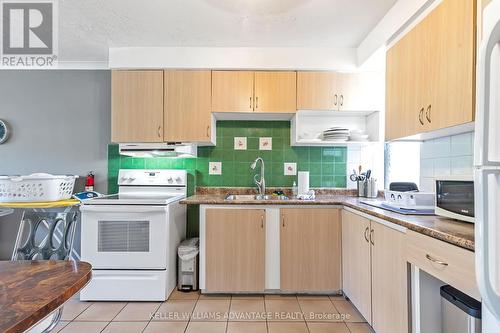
(89,182)
(294,189)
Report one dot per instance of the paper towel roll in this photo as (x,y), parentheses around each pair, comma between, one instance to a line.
(303,182)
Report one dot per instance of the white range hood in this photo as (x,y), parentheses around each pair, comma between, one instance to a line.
(159,149)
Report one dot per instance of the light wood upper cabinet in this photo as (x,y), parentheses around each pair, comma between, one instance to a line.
(389,280)
(317,90)
(275,92)
(244,91)
(454,54)
(356,264)
(431,71)
(339,91)
(232,91)
(137,106)
(188,105)
(310,255)
(360,91)
(235,250)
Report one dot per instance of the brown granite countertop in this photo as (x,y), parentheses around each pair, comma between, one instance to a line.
(451,231)
(31,290)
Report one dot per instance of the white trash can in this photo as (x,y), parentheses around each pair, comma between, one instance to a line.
(188,250)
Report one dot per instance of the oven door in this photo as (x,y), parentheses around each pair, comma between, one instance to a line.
(124,236)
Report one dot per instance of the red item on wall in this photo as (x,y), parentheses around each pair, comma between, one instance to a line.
(89,181)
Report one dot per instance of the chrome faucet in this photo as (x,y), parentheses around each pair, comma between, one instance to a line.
(261,184)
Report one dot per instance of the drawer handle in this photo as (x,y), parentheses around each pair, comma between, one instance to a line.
(283,221)
(341,100)
(372,238)
(159,131)
(257,102)
(421,116)
(335,98)
(429,257)
(208,131)
(262,221)
(250,102)
(366,235)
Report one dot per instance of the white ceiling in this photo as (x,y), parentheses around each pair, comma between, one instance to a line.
(87,29)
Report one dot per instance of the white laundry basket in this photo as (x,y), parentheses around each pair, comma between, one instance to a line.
(36,187)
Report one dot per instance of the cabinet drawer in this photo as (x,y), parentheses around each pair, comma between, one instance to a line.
(449,263)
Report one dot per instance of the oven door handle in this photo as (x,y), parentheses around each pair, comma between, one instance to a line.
(123,208)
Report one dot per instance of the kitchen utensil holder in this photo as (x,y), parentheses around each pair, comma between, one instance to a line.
(361,188)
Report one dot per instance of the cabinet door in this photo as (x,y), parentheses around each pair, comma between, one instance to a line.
(235,250)
(356,268)
(137,106)
(397,71)
(188,105)
(453,63)
(275,92)
(389,280)
(360,91)
(310,247)
(317,91)
(232,91)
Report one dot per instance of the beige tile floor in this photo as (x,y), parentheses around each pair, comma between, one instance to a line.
(195,313)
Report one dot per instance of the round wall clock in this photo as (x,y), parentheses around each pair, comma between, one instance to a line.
(4,131)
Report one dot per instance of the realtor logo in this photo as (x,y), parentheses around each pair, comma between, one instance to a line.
(29,36)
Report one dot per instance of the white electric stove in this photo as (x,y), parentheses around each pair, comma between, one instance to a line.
(131,238)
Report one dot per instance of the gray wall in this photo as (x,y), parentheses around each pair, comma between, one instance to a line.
(60,123)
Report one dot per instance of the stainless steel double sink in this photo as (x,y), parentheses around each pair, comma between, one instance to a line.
(258,197)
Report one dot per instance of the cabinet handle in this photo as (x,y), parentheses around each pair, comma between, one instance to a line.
(372,238)
(250,102)
(257,102)
(208,131)
(335,98)
(366,235)
(159,131)
(429,257)
(283,221)
(341,100)
(421,116)
(262,221)
(428,113)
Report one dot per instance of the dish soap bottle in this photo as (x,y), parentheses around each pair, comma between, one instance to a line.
(294,189)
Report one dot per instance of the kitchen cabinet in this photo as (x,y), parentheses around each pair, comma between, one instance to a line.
(356,262)
(375,272)
(235,250)
(247,91)
(232,91)
(187,107)
(136,106)
(430,72)
(310,249)
(389,280)
(339,91)
(275,92)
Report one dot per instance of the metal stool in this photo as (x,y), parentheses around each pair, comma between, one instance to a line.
(46,234)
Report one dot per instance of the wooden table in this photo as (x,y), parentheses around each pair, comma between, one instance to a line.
(31,290)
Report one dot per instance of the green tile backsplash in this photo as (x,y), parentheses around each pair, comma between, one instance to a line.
(327,165)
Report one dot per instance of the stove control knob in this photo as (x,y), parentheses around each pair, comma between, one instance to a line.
(178,179)
(170,180)
(131,179)
(122,179)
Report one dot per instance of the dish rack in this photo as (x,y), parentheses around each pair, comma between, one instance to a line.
(36,187)
(410,200)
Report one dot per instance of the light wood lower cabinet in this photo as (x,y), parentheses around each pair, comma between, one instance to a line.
(310,249)
(235,250)
(375,272)
(136,106)
(389,280)
(356,263)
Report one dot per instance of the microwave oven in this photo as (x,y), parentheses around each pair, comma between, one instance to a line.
(455,198)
